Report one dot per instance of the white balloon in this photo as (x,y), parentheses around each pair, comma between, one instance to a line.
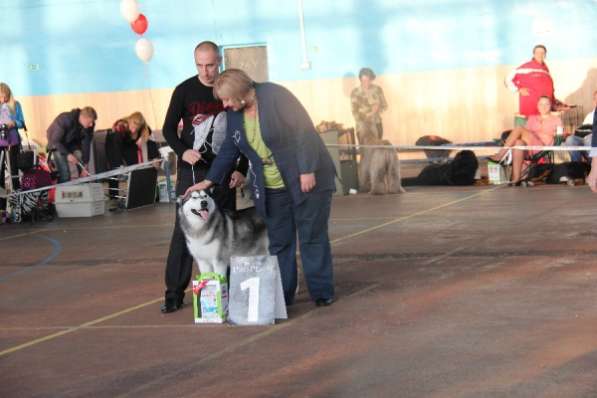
(129,10)
(144,49)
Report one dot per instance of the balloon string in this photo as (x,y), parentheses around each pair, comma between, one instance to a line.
(150,94)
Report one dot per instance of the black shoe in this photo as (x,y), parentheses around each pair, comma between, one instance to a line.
(324,302)
(171,305)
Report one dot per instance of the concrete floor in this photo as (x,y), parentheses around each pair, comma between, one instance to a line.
(442,292)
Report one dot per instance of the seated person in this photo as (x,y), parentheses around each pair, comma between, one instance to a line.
(130,144)
(574,140)
(134,142)
(69,139)
(540,130)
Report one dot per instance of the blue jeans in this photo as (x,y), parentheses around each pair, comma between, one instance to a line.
(573,140)
(310,220)
(65,169)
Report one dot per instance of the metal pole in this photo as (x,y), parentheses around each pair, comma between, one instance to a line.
(306,64)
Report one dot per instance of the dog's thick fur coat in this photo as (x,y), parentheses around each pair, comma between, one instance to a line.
(573,172)
(379,170)
(459,171)
(213,236)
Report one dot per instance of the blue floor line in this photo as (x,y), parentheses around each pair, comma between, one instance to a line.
(56,250)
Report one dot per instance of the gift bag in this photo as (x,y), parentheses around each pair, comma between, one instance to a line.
(256,295)
(210,298)
(496,173)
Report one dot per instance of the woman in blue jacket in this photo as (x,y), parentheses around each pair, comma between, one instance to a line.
(11,119)
(291,176)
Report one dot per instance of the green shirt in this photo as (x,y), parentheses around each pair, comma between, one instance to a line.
(271,174)
(363,102)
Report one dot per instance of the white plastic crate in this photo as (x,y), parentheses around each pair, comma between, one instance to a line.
(84,200)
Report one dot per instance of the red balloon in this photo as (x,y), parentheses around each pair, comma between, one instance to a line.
(140,24)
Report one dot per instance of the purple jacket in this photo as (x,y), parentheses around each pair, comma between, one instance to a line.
(11,136)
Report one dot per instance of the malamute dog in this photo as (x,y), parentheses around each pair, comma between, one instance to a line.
(213,235)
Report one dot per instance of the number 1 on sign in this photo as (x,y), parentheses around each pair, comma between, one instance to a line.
(253,285)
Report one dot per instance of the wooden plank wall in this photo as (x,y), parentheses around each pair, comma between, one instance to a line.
(462,105)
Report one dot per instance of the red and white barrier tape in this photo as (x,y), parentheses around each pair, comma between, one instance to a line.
(558,148)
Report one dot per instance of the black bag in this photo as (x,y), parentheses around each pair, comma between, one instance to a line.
(435,156)
(26,158)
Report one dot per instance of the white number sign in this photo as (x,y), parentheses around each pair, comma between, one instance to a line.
(253,285)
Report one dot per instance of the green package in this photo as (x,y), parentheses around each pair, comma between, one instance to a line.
(210,298)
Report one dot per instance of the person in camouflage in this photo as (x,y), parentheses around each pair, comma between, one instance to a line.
(368,102)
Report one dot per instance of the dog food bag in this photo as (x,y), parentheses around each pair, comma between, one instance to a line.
(256,296)
(210,298)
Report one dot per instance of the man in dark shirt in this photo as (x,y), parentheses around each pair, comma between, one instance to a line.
(69,137)
(193,102)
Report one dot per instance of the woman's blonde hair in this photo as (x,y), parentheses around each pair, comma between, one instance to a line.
(4,89)
(233,83)
(138,118)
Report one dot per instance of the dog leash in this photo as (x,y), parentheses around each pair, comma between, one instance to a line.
(193,172)
(82,166)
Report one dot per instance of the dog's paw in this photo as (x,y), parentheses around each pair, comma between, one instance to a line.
(396,191)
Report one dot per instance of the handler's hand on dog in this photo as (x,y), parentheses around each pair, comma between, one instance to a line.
(237,179)
(308,182)
(200,186)
(191,156)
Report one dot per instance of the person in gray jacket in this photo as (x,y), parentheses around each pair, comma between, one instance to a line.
(69,140)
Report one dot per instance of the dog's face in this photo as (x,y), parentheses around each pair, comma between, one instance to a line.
(197,208)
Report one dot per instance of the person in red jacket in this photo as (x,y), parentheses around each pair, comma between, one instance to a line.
(532,81)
